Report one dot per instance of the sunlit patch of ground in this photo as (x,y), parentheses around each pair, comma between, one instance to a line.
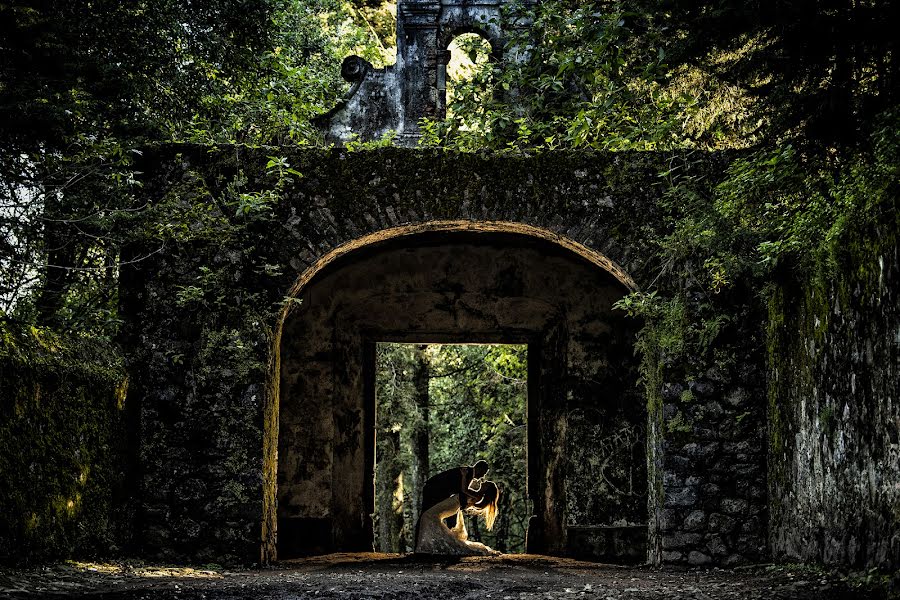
(77,577)
(140,570)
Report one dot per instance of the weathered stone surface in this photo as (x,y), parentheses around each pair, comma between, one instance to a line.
(717,546)
(721,523)
(695,520)
(834,407)
(200,370)
(458,287)
(714,451)
(681,496)
(682,540)
(670,556)
(734,506)
(698,558)
(391,101)
(63,447)
(203,370)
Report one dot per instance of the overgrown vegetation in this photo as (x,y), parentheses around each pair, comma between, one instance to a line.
(810,88)
(85,86)
(62,446)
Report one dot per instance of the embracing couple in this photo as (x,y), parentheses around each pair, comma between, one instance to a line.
(441,528)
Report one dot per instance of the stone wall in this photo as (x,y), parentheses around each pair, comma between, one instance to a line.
(204,311)
(203,315)
(714,511)
(62,447)
(834,406)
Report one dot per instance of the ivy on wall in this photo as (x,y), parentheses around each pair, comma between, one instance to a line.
(63,447)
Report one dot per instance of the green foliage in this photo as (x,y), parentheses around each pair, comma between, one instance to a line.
(386,140)
(594,76)
(294,80)
(774,212)
(651,75)
(88,84)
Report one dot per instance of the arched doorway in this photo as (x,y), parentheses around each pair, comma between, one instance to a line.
(460,282)
(462,72)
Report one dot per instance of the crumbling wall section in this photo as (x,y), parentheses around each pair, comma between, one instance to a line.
(62,447)
(834,406)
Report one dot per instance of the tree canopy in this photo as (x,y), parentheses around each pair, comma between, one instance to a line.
(810,88)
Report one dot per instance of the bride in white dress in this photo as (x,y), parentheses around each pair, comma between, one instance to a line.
(436,538)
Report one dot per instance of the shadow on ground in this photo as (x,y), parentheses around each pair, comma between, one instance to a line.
(372,575)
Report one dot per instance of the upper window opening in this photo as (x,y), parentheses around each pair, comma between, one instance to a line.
(468,74)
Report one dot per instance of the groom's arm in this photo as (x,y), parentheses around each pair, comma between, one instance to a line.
(464,481)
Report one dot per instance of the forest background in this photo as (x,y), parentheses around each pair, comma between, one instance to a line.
(807,89)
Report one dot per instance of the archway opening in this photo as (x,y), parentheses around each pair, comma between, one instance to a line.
(453,283)
(440,406)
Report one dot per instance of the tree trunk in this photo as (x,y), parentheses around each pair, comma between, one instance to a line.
(387,480)
(62,252)
(420,458)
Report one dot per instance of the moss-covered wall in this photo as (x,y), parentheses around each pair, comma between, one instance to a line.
(203,311)
(62,447)
(834,405)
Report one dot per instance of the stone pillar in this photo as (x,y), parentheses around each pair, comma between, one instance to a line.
(417,50)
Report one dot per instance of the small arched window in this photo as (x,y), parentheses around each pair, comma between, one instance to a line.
(468,74)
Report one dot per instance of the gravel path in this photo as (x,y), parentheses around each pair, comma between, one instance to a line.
(364,576)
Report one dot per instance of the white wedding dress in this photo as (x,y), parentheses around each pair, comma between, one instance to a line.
(436,538)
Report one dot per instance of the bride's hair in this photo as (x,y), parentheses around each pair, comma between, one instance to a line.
(489,501)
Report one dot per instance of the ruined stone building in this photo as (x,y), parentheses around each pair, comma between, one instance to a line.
(249,411)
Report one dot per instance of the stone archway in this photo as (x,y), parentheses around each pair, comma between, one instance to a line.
(201,373)
(460,281)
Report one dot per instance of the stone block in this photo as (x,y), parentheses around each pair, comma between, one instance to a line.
(682,540)
(702,388)
(670,478)
(695,521)
(668,519)
(672,393)
(681,496)
(733,560)
(735,506)
(717,546)
(737,397)
(721,523)
(751,526)
(698,558)
(710,490)
(678,464)
(713,410)
(669,556)
(736,447)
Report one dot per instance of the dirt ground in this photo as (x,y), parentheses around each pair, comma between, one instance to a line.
(357,576)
